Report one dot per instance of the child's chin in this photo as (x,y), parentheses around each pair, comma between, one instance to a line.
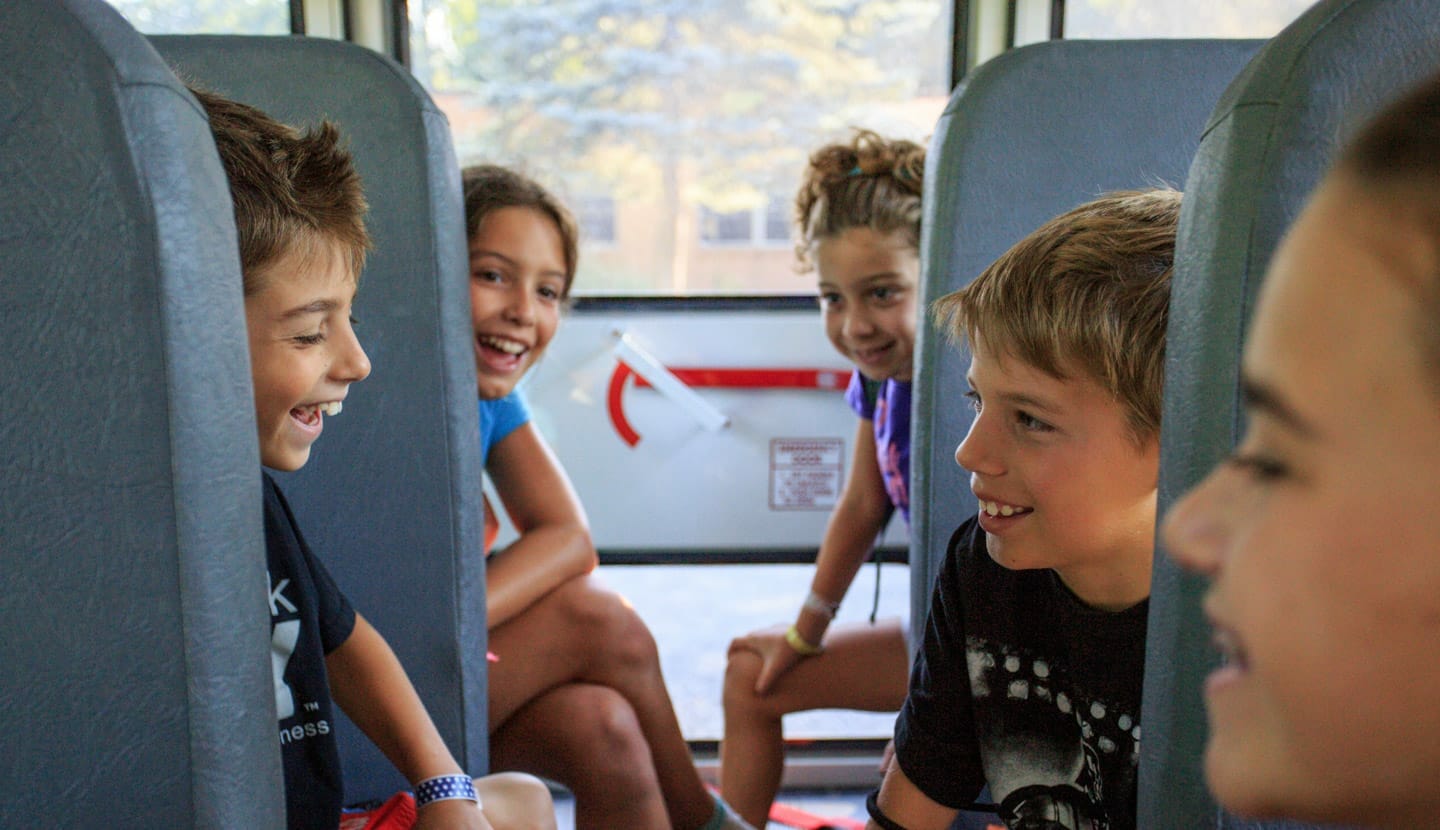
(493,389)
(285,462)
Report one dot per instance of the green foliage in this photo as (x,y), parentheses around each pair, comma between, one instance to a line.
(736,90)
(184,17)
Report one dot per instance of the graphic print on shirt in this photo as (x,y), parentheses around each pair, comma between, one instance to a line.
(1042,749)
(284,635)
(889,458)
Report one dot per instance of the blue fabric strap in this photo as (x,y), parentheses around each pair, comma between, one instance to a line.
(444,787)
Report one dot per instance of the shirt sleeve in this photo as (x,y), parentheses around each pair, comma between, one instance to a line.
(935,739)
(335,615)
(857,399)
(499,418)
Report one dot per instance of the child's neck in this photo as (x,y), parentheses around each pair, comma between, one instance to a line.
(1110,586)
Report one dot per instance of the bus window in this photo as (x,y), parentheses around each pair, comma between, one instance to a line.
(188,17)
(690,121)
(1179,18)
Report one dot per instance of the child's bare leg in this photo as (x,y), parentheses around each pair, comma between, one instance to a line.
(863,667)
(515,801)
(586,737)
(592,635)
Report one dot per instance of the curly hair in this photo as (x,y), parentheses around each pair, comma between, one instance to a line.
(869,182)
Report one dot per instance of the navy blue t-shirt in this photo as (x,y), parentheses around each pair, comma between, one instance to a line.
(309,618)
(1022,686)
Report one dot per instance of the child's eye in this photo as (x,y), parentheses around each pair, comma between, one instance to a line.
(1259,467)
(974,399)
(828,300)
(310,339)
(487,275)
(885,293)
(354,321)
(550,293)
(1030,422)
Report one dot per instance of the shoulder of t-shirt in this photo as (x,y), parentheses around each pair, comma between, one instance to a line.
(272,494)
(502,416)
(864,398)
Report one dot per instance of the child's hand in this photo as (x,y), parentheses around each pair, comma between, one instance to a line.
(451,814)
(887,757)
(776,655)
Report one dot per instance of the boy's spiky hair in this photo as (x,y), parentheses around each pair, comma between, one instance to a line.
(1088,291)
(290,189)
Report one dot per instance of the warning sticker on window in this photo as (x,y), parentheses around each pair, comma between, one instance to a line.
(806,473)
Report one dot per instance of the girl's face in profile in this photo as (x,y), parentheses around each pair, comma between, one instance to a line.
(1322,533)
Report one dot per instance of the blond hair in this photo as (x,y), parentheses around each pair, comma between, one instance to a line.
(289,189)
(1089,291)
(868,182)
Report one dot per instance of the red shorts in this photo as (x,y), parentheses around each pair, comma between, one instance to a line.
(398,813)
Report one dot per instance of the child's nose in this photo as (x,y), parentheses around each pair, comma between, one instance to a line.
(521,305)
(1194,531)
(976,453)
(352,365)
(858,323)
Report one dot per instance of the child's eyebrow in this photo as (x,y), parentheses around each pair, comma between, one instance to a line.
(324,306)
(1027,402)
(480,253)
(1019,399)
(1262,398)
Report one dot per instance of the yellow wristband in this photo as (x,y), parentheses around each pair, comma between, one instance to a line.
(797,642)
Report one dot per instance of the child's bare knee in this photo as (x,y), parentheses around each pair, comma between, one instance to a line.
(609,625)
(516,801)
(608,723)
(742,669)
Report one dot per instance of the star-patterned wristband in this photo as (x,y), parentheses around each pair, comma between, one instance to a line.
(444,788)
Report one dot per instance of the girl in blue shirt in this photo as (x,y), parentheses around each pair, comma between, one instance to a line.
(576,694)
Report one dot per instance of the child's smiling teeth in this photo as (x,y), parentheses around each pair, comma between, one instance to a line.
(995,508)
(307,412)
(510,347)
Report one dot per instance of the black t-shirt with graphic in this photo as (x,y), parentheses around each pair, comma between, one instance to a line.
(1020,685)
(309,618)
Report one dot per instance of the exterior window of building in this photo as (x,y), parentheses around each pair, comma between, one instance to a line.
(1180,18)
(694,116)
(596,215)
(186,17)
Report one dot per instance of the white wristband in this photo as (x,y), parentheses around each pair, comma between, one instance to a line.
(821,606)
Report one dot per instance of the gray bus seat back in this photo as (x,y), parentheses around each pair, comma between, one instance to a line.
(136,688)
(1029,135)
(1265,147)
(390,499)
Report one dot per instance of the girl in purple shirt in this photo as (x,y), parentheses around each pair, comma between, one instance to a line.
(858,227)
